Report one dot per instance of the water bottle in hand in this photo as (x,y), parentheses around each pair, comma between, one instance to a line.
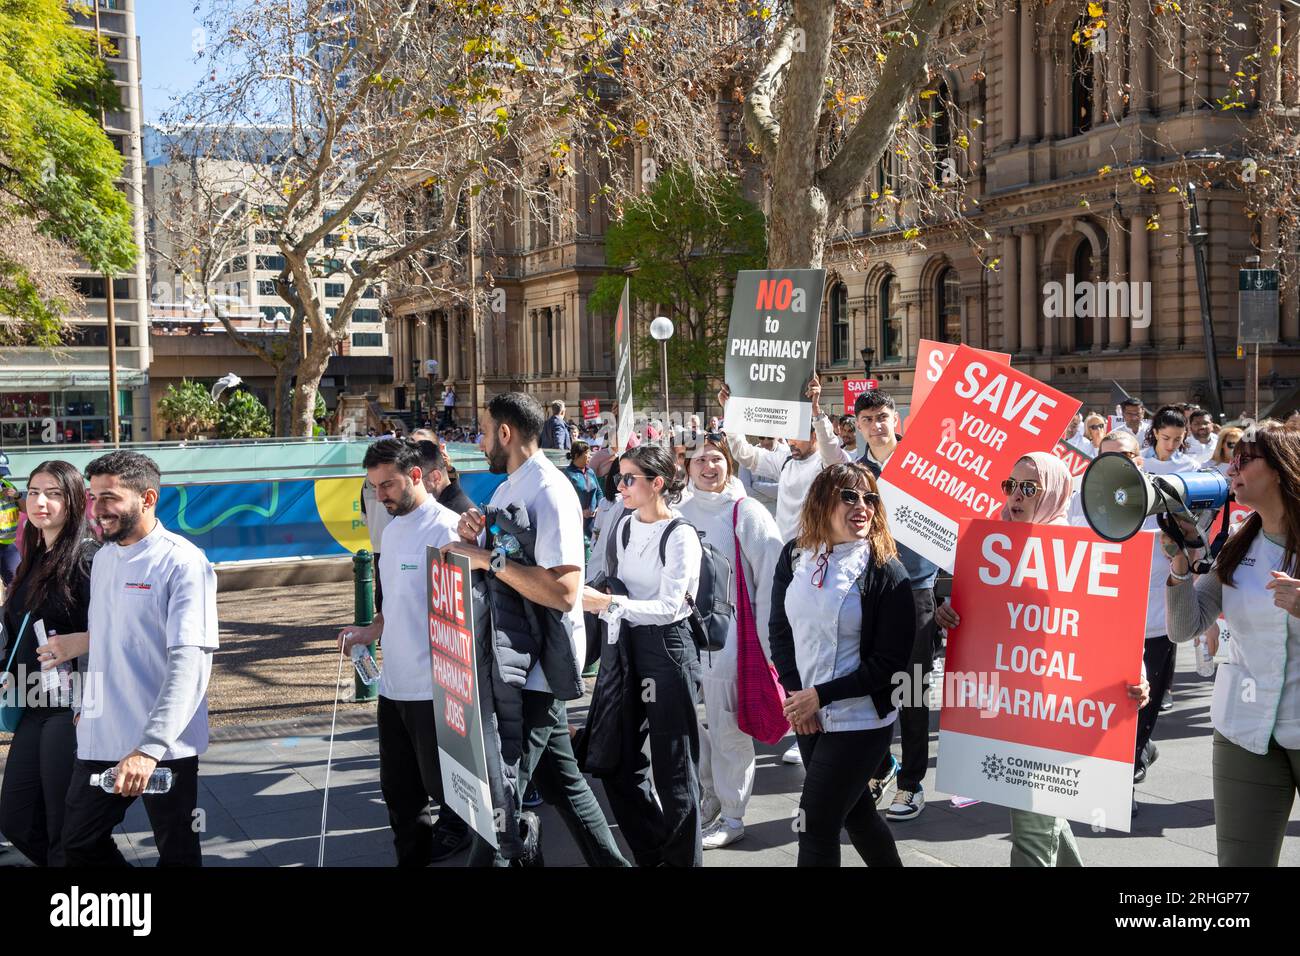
(1204,659)
(365,664)
(159,782)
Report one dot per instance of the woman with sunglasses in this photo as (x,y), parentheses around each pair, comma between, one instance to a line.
(52,588)
(1094,430)
(1226,450)
(1038,491)
(650,623)
(1256,705)
(842,627)
(728,520)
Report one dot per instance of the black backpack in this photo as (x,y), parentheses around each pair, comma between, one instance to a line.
(711,608)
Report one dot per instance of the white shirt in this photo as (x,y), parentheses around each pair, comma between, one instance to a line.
(407,673)
(1178,463)
(555,512)
(656,592)
(826,625)
(793,476)
(145,598)
(1081,444)
(1201,453)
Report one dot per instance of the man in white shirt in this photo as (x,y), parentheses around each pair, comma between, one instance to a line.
(793,465)
(1134,423)
(1076,438)
(1201,438)
(552,582)
(153,629)
(409,771)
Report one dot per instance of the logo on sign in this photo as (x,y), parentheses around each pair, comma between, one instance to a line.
(993,767)
(902,514)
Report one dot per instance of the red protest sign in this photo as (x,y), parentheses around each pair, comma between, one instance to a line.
(931,359)
(980,419)
(1074,459)
(590,409)
(853,387)
(1036,713)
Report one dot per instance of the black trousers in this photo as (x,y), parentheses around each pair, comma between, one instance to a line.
(837,767)
(1158,654)
(548,762)
(665,677)
(37,775)
(409,775)
(914,714)
(91,814)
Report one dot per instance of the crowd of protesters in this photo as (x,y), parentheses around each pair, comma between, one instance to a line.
(677,564)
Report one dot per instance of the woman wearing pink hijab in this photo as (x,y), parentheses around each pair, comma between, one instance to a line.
(1038,491)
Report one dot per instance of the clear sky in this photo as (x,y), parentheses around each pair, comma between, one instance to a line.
(167,43)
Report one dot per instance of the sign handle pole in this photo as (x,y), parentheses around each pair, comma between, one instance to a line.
(329,760)
(1256,383)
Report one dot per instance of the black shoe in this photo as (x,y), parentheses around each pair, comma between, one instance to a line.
(1139,772)
(530,835)
(448,840)
(532,798)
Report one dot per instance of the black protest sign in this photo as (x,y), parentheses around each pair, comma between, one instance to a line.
(623,371)
(456,693)
(771,351)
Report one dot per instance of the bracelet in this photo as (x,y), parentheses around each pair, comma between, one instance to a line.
(1180,577)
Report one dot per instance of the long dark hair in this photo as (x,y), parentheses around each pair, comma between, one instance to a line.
(54,571)
(1280,449)
(1169,416)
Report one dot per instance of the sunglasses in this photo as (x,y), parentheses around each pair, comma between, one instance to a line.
(627,481)
(1247,452)
(852,498)
(1093,428)
(1027,488)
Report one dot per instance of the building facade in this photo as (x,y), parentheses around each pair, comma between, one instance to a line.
(64,395)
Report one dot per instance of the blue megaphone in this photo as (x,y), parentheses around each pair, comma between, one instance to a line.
(1118,497)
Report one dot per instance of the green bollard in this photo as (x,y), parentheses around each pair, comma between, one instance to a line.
(363,615)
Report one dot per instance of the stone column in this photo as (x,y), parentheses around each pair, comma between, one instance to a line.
(1139,271)
(1010,78)
(1010,293)
(1030,303)
(1119,267)
(1140,57)
(1028,78)
(1050,51)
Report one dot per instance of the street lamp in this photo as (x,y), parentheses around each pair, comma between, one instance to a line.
(661,329)
(867,353)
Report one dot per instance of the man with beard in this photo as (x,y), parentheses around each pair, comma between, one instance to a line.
(153,629)
(409,772)
(540,494)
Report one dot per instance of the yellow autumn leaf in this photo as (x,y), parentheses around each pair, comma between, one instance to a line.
(1173,189)
(993,264)
(874,194)
(1095,10)
(1153,224)
(641,127)
(880,58)
(1084,203)
(926,94)
(1274,50)
(1103,170)
(911,233)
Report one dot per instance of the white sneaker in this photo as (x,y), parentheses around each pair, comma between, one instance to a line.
(710,810)
(792,755)
(907,805)
(723,833)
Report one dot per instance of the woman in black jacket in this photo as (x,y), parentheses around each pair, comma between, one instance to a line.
(842,625)
(52,587)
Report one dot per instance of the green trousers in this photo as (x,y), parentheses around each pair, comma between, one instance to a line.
(1253,794)
(1040,840)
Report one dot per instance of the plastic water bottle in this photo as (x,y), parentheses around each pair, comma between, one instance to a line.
(159,782)
(1204,659)
(365,664)
(58,679)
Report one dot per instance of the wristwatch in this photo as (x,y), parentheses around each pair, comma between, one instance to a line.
(497,563)
(615,605)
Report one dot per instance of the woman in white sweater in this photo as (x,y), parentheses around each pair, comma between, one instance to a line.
(721,513)
(657,559)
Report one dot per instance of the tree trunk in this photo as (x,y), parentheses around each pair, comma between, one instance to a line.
(310,370)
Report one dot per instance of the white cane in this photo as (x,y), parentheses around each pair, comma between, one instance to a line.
(325,806)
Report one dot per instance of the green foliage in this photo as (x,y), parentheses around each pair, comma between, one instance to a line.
(188,410)
(319,410)
(243,416)
(682,244)
(58,164)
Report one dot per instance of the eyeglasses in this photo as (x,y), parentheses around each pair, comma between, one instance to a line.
(1027,488)
(1246,455)
(819,573)
(867,498)
(628,480)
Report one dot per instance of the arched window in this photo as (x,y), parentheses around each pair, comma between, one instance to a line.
(891,322)
(1084,270)
(839,324)
(947,325)
(1081,83)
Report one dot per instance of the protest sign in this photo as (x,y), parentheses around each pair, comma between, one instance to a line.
(590,409)
(623,371)
(1074,459)
(1036,713)
(853,387)
(931,359)
(979,420)
(771,349)
(456,694)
